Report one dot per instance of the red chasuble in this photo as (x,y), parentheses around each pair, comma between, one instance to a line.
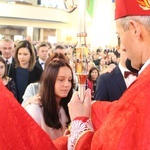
(18,130)
(122,124)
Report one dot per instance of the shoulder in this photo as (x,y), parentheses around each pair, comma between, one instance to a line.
(33,85)
(35,111)
(116,70)
(105,76)
(37,69)
(9,80)
(33,107)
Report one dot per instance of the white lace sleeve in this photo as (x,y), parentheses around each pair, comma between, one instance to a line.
(78,128)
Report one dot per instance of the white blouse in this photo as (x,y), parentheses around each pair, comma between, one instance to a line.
(36,112)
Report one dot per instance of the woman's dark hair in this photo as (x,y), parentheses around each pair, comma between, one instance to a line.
(89,74)
(47,92)
(29,46)
(3,61)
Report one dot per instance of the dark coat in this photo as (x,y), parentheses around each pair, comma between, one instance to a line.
(34,76)
(110,86)
(38,64)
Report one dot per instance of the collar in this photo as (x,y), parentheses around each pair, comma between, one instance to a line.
(122,69)
(41,61)
(9,60)
(144,66)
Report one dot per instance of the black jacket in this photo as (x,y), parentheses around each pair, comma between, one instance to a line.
(110,86)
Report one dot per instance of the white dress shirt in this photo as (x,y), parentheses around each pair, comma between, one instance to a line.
(9,61)
(42,63)
(130,79)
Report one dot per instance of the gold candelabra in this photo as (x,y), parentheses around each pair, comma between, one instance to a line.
(81,63)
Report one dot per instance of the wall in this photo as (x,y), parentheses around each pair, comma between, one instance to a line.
(100,29)
(39,17)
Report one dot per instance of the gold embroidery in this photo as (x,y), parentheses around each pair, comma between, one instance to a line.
(144,4)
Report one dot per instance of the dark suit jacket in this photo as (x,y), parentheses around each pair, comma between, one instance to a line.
(110,86)
(10,67)
(38,64)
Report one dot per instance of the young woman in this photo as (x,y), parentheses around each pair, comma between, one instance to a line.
(33,88)
(55,92)
(8,82)
(25,70)
(91,80)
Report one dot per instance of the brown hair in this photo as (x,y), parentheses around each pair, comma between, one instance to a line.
(3,61)
(47,93)
(90,71)
(56,56)
(29,46)
(41,45)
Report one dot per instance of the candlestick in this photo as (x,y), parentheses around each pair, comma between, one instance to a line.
(81,64)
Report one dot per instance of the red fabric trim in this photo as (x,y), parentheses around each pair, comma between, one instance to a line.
(84,119)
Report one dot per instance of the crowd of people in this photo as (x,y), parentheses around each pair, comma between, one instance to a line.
(119,119)
(37,83)
(25,62)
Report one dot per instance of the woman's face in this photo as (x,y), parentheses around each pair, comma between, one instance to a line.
(2,69)
(63,82)
(94,74)
(23,57)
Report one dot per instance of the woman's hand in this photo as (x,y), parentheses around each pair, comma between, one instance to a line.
(36,99)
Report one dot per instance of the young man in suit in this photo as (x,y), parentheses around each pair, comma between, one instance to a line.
(42,53)
(110,86)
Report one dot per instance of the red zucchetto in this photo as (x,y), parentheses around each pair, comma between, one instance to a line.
(132,8)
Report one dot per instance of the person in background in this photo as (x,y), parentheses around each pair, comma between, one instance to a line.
(50,51)
(29,39)
(122,124)
(60,49)
(7,49)
(92,80)
(55,92)
(102,65)
(7,81)
(25,70)
(0,49)
(96,59)
(42,53)
(90,65)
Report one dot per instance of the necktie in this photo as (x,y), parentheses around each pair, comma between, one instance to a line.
(7,62)
(42,64)
(127,73)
